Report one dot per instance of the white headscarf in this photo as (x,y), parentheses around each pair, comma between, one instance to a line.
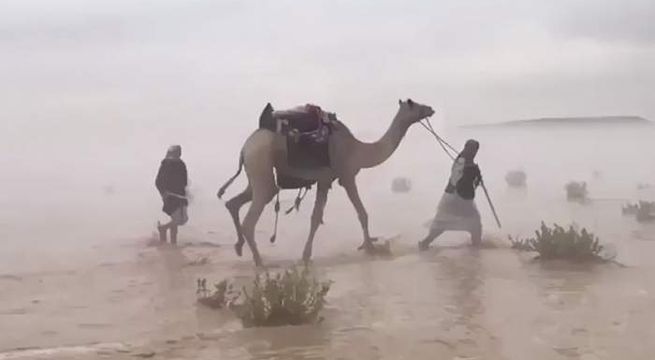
(174,152)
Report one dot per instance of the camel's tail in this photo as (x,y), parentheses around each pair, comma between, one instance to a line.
(221,191)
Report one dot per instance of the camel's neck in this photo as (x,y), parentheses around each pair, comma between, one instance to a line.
(373,154)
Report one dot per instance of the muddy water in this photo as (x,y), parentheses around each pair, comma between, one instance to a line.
(91,293)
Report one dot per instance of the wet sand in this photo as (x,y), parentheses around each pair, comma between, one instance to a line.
(451,302)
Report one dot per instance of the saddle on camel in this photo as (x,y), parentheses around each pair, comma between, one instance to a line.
(307,129)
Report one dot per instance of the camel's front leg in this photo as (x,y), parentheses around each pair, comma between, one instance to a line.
(317,218)
(353,194)
(233,205)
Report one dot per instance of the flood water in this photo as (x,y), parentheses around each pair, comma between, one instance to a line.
(79,279)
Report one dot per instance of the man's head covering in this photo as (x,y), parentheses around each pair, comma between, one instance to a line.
(470,149)
(174,152)
(472,144)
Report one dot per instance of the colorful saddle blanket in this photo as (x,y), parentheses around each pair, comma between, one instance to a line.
(307,129)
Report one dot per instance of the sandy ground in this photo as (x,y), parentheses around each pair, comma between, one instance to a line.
(452,302)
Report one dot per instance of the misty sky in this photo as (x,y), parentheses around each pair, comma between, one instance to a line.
(115,67)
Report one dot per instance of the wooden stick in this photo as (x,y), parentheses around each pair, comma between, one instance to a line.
(491,205)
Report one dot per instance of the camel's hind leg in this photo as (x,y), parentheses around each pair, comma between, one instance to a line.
(262,183)
(233,206)
(252,217)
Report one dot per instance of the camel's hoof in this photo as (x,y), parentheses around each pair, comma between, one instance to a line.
(238,248)
(367,246)
(422,246)
(306,254)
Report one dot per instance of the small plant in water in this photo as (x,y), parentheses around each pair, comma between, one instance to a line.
(643,210)
(401,185)
(520,244)
(576,191)
(516,178)
(291,297)
(630,209)
(559,243)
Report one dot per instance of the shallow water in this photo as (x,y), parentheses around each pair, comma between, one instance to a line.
(81,281)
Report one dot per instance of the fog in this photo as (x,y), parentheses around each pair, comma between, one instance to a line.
(93,93)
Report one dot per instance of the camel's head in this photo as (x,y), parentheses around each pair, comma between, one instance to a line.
(413,112)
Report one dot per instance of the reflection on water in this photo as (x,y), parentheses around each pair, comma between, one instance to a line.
(466,280)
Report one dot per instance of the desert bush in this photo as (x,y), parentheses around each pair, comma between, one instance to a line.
(516,178)
(643,210)
(401,185)
(559,243)
(630,209)
(520,244)
(576,190)
(291,297)
(221,296)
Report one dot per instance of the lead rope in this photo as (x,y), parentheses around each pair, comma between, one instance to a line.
(299,199)
(277,215)
(441,141)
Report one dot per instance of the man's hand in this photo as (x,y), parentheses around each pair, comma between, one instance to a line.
(478,178)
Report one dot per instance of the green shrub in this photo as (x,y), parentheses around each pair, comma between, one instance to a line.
(521,244)
(643,210)
(291,297)
(630,209)
(516,178)
(221,296)
(560,243)
(576,190)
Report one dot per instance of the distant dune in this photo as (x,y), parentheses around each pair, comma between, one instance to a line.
(566,121)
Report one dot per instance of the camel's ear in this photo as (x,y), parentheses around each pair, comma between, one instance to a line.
(410,102)
(400,102)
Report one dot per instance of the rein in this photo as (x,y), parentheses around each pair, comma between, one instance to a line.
(443,143)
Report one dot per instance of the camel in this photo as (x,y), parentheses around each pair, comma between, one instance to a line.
(265,153)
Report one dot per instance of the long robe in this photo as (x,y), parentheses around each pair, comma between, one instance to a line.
(457,210)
